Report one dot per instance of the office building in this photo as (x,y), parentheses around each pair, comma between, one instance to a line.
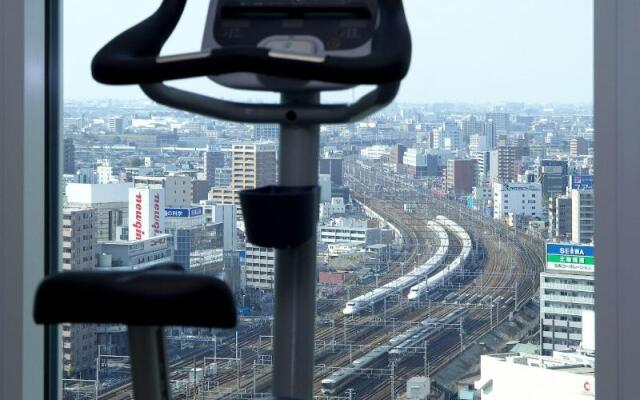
(519,199)
(566,296)
(226,214)
(375,152)
(420,164)
(252,166)
(461,176)
(116,125)
(553,175)
(200,191)
(333,167)
(110,202)
(79,253)
(196,244)
(212,161)
(397,153)
(266,132)
(483,166)
(578,147)
(259,268)
(335,206)
(560,218)
(178,190)
(69,161)
(472,126)
(501,121)
(582,215)
(452,135)
(135,254)
(350,231)
(506,161)
(222,177)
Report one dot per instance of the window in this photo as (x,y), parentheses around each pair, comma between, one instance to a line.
(443,107)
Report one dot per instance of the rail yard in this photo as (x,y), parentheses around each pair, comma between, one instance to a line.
(454,277)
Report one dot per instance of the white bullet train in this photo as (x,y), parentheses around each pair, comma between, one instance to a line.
(399,285)
(339,380)
(433,281)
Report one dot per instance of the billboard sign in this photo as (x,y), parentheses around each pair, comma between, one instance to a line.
(183,212)
(582,182)
(146,219)
(570,257)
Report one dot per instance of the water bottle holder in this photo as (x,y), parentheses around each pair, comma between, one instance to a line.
(280,216)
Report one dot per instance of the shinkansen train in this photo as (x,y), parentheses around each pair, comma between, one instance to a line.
(437,279)
(397,286)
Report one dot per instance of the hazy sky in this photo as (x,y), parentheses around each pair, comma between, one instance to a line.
(474,51)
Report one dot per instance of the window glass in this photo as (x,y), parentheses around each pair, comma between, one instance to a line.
(497,109)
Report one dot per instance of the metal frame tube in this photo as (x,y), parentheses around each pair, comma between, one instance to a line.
(295,271)
(149,369)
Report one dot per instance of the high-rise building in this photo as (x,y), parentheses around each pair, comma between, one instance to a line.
(116,125)
(397,152)
(505,162)
(461,176)
(501,121)
(471,126)
(200,191)
(483,166)
(452,135)
(560,218)
(578,147)
(79,253)
(259,268)
(333,167)
(69,157)
(566,294)
(226,215)
(554,177)
(582,215)
(490,134)
(197,244)
(222,177)
(212,161)
(252,166)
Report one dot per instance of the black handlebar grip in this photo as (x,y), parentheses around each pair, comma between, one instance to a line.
(131,57)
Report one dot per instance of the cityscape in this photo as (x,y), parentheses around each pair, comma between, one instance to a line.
(455,248)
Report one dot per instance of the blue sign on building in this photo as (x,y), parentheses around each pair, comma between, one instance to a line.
(195,212)
(582,182)
(569,249)
(176,212)
(183,212)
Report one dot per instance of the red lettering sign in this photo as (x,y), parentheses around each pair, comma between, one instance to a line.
(137,225)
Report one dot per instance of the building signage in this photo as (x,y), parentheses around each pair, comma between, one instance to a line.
(570,257)
(582,182)
(146,218)
(520,186)
(196,212)
(183,212)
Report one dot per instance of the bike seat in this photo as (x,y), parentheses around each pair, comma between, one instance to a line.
(160,295)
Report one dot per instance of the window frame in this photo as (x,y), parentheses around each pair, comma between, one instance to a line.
(31,37)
